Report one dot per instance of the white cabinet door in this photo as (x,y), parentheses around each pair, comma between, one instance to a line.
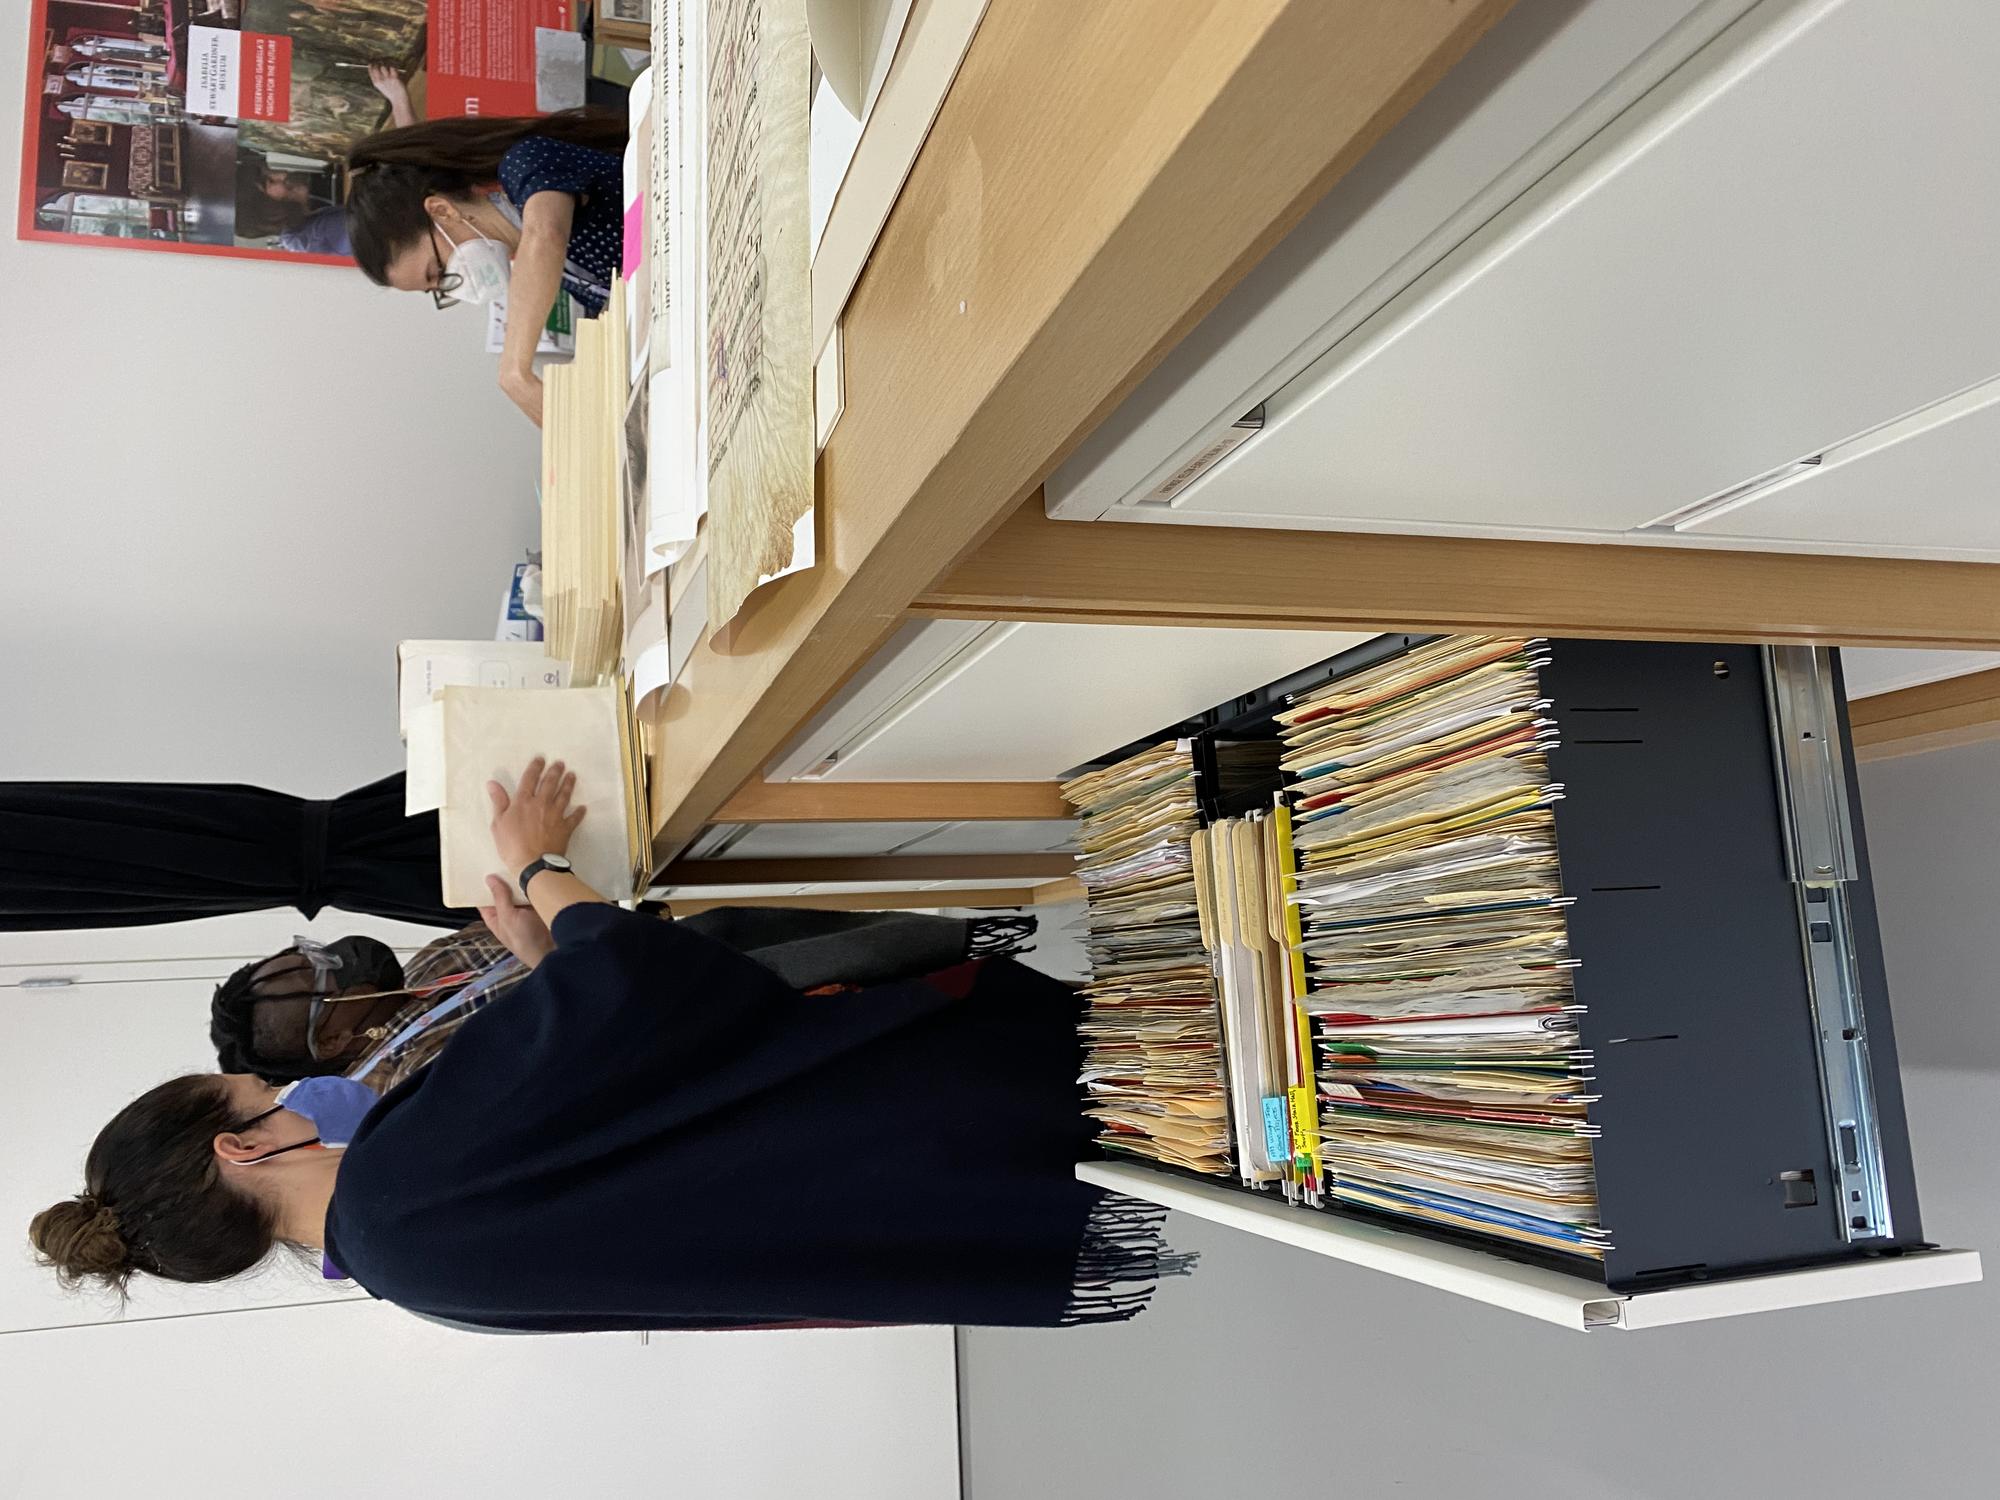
(1929,485)
(810,840)
(1787,243)
(1033,701)
(1545,79)
(1042,836)
(1869,672)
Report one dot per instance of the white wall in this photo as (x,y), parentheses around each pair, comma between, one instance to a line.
(359,1400)
(1354,1384)
(227,489)
(71,1058)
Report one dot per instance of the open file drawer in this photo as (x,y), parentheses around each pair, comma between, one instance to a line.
(1745,1114)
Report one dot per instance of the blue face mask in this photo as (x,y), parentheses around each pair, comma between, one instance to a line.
(335,1105)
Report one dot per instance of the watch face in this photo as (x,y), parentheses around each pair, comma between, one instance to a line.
(556,862)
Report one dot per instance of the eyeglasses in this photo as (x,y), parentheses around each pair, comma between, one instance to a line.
(287,980)
(305,975)
(325,981)
(443,293)
(258,1119)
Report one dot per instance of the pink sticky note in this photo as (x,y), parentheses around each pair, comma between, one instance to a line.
(635,235)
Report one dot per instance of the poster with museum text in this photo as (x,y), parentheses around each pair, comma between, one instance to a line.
(220,127)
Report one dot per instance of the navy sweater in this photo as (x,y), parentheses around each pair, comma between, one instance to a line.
(652,1131)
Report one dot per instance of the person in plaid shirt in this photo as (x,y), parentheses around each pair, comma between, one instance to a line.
(349,1006)
(352,1007)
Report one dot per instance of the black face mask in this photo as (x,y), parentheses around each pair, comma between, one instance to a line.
(304,983)
(365,962)
(361,962)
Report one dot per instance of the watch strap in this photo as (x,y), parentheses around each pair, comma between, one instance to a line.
(541,864)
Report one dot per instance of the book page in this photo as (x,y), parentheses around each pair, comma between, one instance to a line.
(490,734)
(759,365)
(677,476)
(423,772)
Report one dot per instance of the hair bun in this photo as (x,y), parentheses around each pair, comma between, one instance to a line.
(81,1239)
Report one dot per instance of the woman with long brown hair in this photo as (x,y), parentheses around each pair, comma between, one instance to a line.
(473,209)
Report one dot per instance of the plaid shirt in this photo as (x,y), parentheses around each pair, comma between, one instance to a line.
(473,951)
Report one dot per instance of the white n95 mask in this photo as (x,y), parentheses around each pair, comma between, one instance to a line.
(478,271)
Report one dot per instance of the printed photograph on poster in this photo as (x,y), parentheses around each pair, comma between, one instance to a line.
(220,127)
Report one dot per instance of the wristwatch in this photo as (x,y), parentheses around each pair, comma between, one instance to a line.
(547,862)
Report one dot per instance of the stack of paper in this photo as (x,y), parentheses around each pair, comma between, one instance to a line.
(491,734)
(582,440)
(642,582)
(1431,945)
(1153,1068)
(425,669)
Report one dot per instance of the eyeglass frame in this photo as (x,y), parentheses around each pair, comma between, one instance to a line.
(444,294)
(324,967)
(320,996)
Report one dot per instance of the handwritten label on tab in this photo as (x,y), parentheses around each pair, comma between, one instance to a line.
(1305,1120)
(1277,1130)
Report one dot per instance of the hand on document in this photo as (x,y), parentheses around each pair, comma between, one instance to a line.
(536,819)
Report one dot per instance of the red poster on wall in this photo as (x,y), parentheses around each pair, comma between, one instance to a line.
(482,57)
(220,127)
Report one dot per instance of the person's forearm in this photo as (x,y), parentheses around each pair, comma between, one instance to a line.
(531,293)
(554,892)
(401,115)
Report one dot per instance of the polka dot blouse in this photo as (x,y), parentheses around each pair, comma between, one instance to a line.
(596,179)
